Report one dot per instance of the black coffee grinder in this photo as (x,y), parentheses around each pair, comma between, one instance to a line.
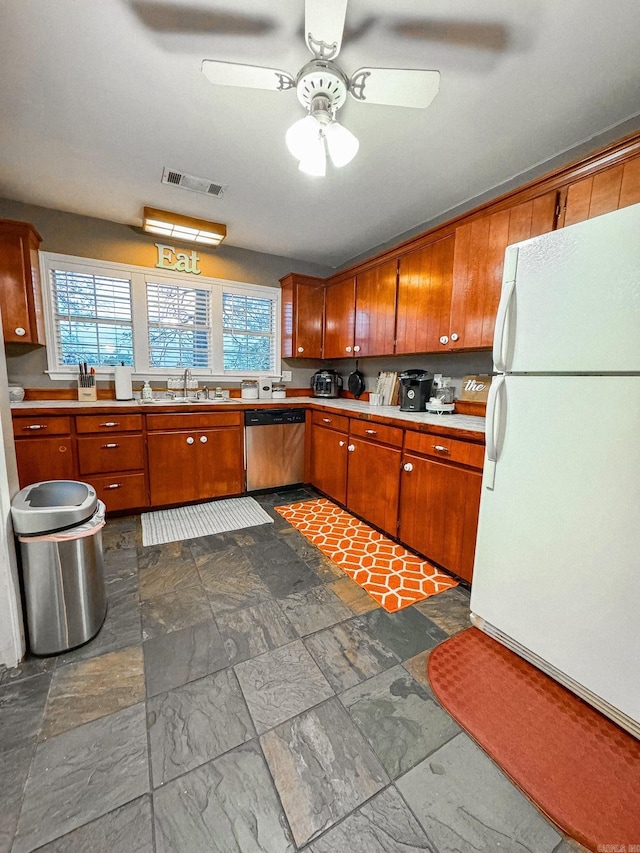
(415,390)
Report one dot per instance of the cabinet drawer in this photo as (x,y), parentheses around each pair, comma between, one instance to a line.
(338,422)
(108,423)
(446,449)
(116,453)
(25,427)
(377,432)
(194,420)
(123,491)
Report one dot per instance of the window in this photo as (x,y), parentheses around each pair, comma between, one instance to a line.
(248,324)
(93,318)
(159,322)
(179,320)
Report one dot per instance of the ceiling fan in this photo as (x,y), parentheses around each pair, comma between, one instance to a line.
(322,88)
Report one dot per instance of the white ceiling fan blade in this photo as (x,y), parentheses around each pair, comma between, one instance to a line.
(323,26)
(249,76)
(395,87)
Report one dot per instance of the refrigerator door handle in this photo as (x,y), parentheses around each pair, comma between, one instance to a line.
(501,333)
(493,418)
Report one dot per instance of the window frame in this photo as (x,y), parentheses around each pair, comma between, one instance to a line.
(139,276)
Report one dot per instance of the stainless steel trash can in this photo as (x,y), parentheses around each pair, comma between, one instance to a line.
(59,526)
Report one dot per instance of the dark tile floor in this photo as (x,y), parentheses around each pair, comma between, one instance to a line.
(245,695)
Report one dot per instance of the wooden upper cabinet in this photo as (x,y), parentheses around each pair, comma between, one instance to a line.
(425,281)
(340,318)
(614,188)
(376,310)
(20,296)
(477,266)
(302,306)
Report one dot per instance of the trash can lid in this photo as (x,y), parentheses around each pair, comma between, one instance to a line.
(52,505)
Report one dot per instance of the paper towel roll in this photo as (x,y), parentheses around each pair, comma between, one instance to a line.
(124,388)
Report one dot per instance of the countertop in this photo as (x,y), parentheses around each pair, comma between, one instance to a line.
(449,423)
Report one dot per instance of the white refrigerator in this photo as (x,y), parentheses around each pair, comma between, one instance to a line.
(557,566)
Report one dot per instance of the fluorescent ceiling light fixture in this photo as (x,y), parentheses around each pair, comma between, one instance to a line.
(179,227)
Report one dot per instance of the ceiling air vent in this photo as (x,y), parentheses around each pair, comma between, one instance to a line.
(192,183)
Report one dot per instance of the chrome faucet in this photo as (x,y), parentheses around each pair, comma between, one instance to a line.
(185,382)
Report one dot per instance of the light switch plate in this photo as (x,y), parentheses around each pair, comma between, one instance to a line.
(286,376)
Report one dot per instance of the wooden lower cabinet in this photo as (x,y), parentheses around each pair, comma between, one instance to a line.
(373,486)
(192,465)
(329,462)
(46,459)
(439,506)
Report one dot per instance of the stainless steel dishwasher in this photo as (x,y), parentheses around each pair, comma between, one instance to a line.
(274,447)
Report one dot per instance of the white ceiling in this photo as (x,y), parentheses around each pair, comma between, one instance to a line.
(97,97)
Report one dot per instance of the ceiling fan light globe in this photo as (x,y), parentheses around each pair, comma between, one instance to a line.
(302,135)
(341,144)
(314,161)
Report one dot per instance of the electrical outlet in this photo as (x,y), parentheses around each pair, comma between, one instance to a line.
(286,376)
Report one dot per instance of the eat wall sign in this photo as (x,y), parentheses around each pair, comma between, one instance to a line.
(170,259)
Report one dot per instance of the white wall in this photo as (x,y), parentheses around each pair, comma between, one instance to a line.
(11,629)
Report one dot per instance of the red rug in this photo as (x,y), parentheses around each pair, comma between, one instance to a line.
(391,575)
(580,769)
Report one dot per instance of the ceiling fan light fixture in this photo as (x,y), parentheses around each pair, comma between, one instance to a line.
(314,161)
(341,144)
(302,135)
(180,227)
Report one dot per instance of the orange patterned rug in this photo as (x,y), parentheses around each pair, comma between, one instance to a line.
(390,574)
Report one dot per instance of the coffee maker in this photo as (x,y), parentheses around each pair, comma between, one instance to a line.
(326,383)
(415,390)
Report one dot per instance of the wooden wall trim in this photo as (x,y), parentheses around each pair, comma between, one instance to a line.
(616,152)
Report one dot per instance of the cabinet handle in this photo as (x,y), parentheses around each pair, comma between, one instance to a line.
(326,420)
(110,446)
(341,444)
(440,448)
(62,448)
(356,348)
(20,331)
(444,339)
(408,467)
(190,440)
(109,424)
(351,448)
(371,431)
(300,349)
(348,349)
(203,439)
(454,336)
(36,426)
(114,486)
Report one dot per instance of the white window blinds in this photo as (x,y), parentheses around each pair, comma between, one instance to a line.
(92,318)
(179,321)
(248,334)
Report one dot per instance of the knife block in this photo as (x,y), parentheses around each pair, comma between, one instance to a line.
(88,393)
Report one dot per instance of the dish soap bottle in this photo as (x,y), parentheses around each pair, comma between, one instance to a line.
(147,392)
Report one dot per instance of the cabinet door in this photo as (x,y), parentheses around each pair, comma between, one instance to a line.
(373,483)
(329,462)
(302,308)
(439,512)
(425,281)
(309,316)
(173,467)
(376,310)
(477,266)
(340,308)
(220,462)
(20,297)
(611,189)
(45,459)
